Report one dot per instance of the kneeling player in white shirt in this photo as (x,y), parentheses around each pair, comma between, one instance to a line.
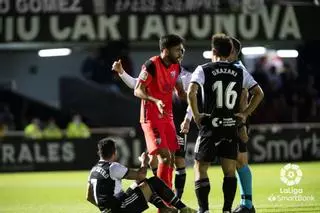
(105,190)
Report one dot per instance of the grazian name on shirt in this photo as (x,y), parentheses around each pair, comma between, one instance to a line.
(100,171)
(224,71)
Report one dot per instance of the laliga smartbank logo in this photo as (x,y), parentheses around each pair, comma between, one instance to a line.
(291,175)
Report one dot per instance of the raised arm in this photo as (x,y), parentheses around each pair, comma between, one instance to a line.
(125,77)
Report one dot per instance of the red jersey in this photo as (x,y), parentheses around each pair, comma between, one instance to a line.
(160,82)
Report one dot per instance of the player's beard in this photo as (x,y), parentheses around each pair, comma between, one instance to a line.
(174,60)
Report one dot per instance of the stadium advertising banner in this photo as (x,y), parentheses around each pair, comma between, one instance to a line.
(277,144)
(18,154)
(266,145)
(146,20)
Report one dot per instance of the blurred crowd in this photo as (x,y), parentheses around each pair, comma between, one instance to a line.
(289,98)
(98,64)
(76,128)
(38,129)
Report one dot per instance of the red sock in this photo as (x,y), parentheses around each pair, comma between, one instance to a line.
(170,176)
(163,173)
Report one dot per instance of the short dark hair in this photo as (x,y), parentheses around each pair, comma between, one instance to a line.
(170,40)
(236,45)
(106,147)
(222,44)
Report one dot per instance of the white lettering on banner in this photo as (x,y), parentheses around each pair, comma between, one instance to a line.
(268,23)
(53,152)
(225,23)
(108,25)
(17,26)
(289,24)
(200,31)
(68,152)
(38,154)
(4,6)
(166,6)
(84,27)
(177,25)
(135,5)
(8,153)
(248,32)
(276,150)
(32,33)
(153,26)
(57,33)
(287,27)
(24,154)
(172,5)
(9,29)
(132,28)
(48,6)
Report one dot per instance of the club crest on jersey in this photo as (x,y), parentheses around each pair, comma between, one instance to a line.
(173,73)
(143,75)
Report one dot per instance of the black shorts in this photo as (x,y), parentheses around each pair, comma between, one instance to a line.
(131,202)
(182,141)
(208,148)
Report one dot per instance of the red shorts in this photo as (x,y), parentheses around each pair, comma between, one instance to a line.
(160,135)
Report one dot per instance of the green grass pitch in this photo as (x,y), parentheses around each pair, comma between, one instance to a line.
(64,192)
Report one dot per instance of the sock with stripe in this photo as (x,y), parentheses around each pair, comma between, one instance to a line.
(180,181)
(245,182)
(202,188)
(164,192)
(157,201)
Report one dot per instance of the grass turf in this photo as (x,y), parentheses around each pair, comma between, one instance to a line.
(64,192)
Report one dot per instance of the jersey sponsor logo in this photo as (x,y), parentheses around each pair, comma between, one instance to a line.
(224,122)
(143,75)
(216,122)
